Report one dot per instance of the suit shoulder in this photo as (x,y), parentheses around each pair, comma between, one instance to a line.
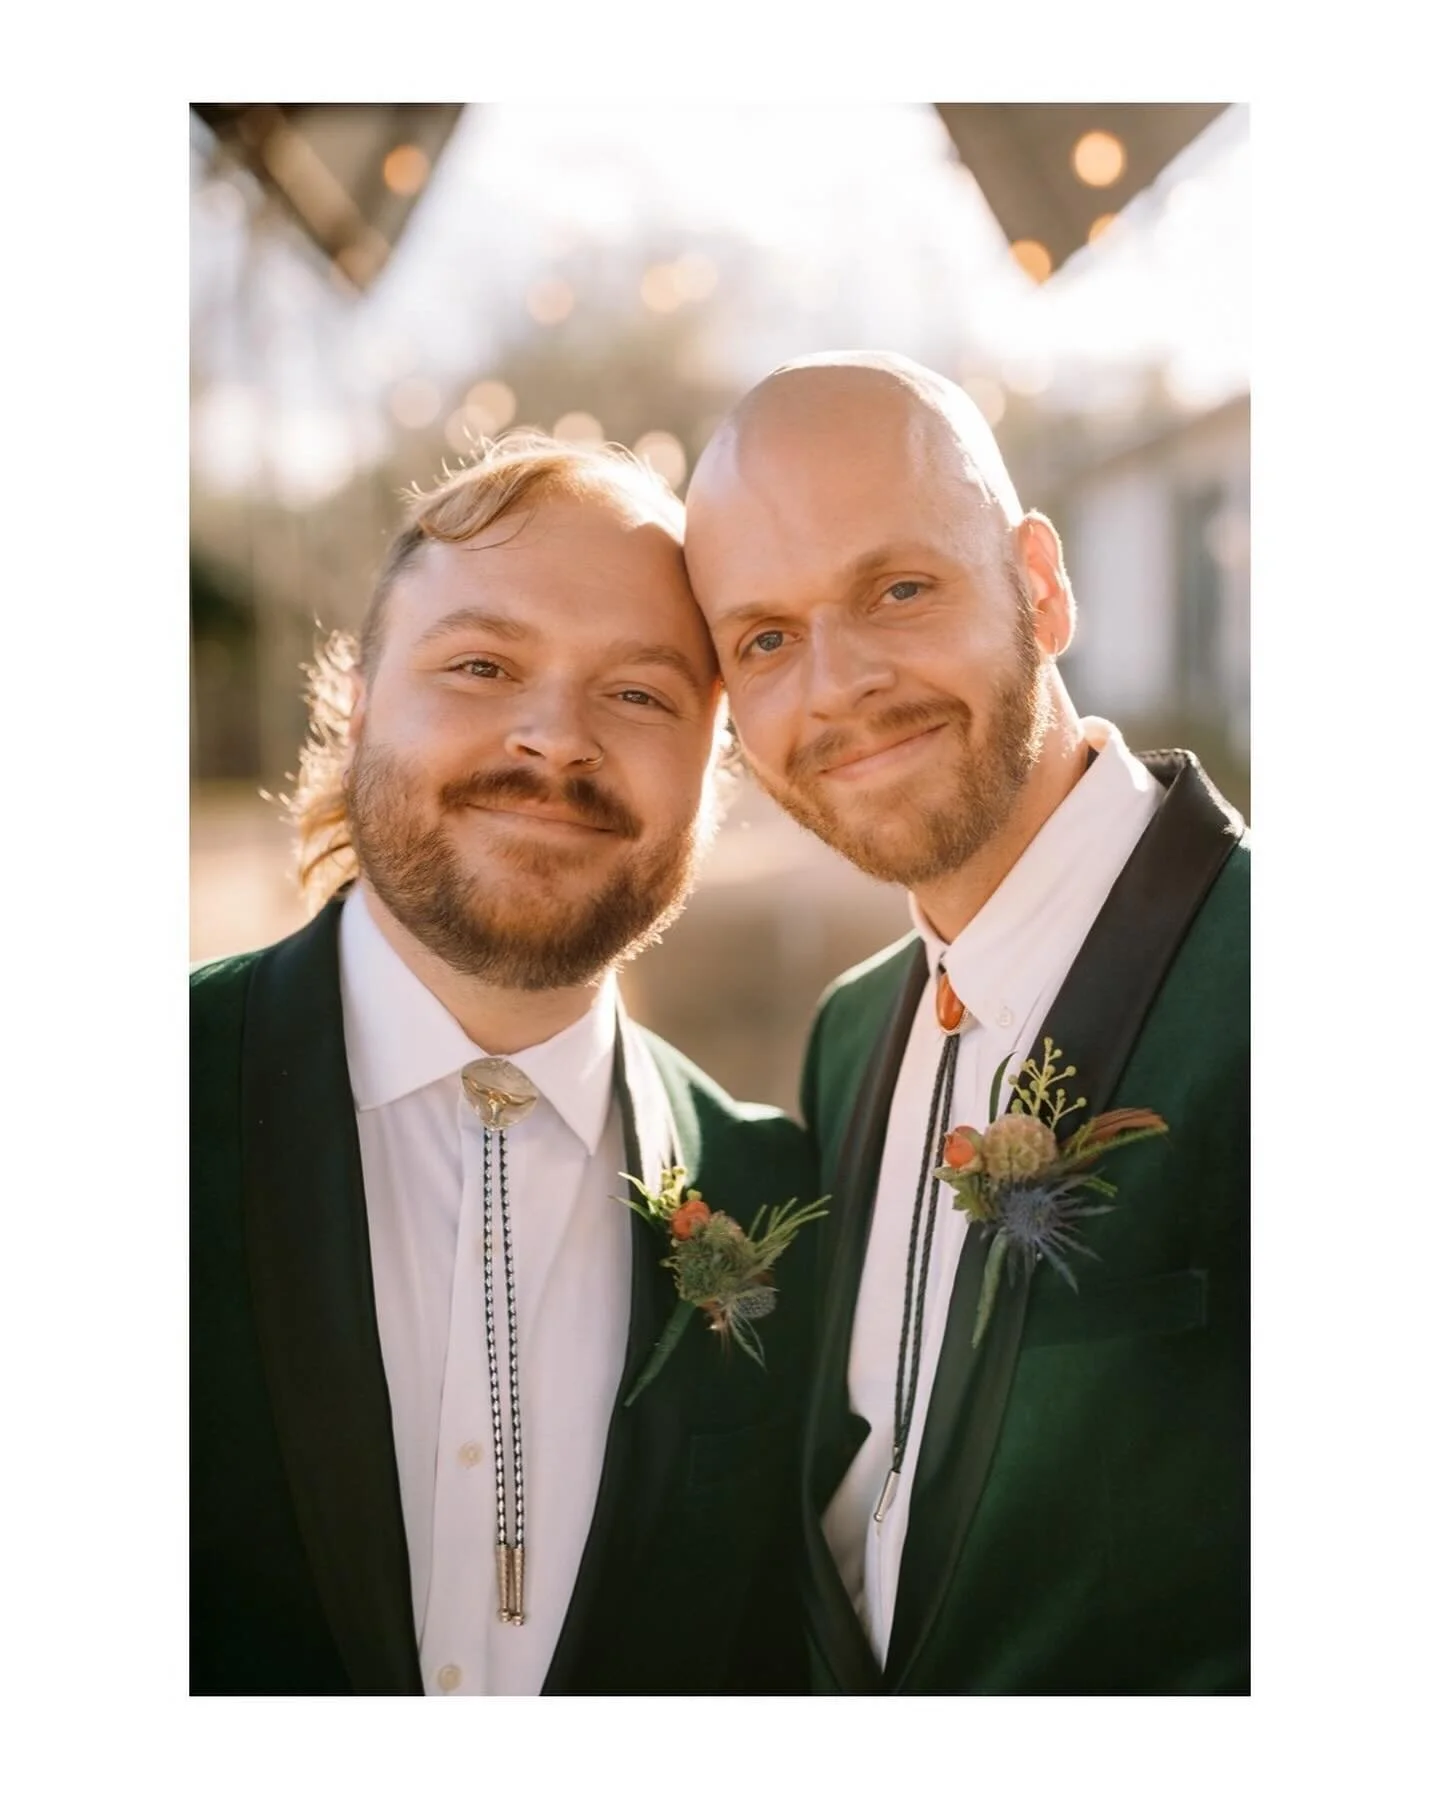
(1222,924)
(1234,880)
(225,969)
(861,997)
(707,1097)
(218,987)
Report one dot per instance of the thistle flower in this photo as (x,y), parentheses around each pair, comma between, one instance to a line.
(1039,1216)
(714,1263)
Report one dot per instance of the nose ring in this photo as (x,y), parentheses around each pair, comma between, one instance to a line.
(591,760)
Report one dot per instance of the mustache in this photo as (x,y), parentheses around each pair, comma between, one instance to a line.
(833,745)
(588,801)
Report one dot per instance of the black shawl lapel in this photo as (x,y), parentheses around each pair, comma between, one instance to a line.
(653,1139)
(834,1433)
(1096,1019)
(309,1249)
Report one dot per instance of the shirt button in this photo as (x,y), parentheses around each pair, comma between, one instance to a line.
(471,1453)
(1004,1017)
(449,1678)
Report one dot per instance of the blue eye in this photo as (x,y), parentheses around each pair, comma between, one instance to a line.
(767,642)
(903,589)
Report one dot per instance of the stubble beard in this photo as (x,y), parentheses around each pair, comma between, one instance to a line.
(510,926)
(911,840)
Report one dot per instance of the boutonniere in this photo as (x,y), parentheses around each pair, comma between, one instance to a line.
(719,1268)
(1026,1188)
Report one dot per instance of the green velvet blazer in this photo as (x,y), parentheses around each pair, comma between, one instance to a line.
(1080,1516)
(300,1579)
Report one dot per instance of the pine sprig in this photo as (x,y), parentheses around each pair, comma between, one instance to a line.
(785,1223)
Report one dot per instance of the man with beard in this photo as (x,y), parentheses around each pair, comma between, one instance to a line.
(431,1449)
(1025,1458)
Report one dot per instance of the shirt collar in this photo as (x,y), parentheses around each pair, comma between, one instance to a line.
(1002,960)
(399,1037)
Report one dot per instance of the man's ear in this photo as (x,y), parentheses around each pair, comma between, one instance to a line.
(1042,565)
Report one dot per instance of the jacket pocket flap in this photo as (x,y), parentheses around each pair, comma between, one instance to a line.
(734,1451)
(1169,1304)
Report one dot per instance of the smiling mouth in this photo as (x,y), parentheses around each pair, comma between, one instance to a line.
(563,822)
(882,759)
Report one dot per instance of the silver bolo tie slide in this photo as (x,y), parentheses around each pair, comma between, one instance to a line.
(501,1095)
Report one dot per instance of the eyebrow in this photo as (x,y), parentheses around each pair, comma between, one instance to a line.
(472,617)
(656,654)
(853,573)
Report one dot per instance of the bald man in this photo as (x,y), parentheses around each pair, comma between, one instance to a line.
(1035,1482)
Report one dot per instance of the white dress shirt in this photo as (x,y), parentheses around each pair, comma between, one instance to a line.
(421,1149)
(1006,966)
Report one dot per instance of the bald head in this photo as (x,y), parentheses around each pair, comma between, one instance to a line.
(833,405)
(886,617)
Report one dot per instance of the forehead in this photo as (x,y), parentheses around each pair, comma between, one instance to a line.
(575,567)
(801,497)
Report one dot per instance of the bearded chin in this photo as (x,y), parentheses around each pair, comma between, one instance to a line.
(912,838)
(495,925)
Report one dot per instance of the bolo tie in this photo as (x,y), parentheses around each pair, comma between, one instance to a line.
(501,1095)
(949,1013)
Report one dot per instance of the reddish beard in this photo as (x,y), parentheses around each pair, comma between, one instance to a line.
(505,921)
(898,833)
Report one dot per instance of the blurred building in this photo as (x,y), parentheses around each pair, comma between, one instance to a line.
(1157,542)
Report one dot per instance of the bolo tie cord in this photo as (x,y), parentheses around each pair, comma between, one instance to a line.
(922,1234)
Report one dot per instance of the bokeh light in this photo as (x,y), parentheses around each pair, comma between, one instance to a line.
(491,405)
(1033,257)
(661,289)
(578,427)
(406,169)
(1098,159)
(550,301)
(988,395)
(665,453)
(415,403)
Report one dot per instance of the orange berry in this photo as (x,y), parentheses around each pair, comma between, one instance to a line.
(962,1149)
(688,1217)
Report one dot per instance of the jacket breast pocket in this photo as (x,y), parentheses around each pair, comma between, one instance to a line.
(1172,1303)
(736,1456)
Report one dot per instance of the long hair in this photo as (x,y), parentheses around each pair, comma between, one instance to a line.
(520,470)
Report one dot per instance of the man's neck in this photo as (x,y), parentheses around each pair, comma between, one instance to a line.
(951,903)
(499,1019)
